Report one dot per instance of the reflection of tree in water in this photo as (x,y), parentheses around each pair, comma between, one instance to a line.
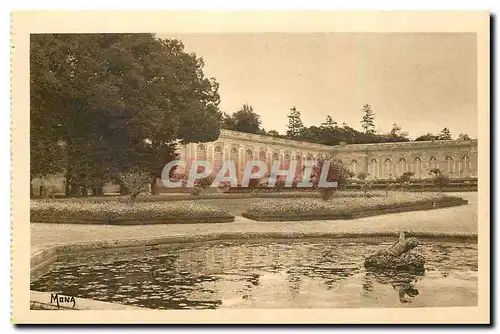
(402,281)
(329,275)
(294,281)
(154,281)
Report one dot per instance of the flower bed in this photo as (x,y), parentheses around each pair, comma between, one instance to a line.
(189,197)
(347,208)
(114,212)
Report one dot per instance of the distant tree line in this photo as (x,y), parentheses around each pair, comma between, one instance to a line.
(329,132)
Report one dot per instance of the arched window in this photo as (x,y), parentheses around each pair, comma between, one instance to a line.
(201,153)
(298,163)
(248,157)
(286,161)
(373,168)
(234,157)
(354,164)
(433,163)
(217,158)
(402,167)
(388,168)
(417,169)
(450,165)
(262,155)
(465,166)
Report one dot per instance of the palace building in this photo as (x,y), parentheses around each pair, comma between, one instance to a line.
(456,158)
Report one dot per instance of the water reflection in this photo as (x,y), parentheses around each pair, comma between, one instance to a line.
(267,274)
(404,283)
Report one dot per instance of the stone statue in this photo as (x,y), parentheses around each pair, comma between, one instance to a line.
(397,256)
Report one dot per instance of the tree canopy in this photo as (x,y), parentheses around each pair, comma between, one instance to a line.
(444,134)
(114,102)
(368,119)
(295,125)
(244,120)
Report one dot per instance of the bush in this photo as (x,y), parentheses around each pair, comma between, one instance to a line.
(254,183)
(441,181)
(136,182)
(326,193)
(196,191)
(336,173)
(279,185)
(206,181)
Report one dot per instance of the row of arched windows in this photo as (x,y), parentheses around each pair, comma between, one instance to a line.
(376,168)
(418,167)
(201,154)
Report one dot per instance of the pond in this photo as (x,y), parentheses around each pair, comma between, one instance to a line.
(288,273)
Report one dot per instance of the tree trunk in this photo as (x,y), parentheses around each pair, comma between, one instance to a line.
(133,196)
(74,190)
(84,191)
(32,193)
(42,191)
(123,189)
(99,191)
(67,185)
(154,189)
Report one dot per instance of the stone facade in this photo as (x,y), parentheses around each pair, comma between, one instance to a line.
(456,158)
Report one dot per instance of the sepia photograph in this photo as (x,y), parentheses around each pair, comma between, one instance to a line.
(197,172)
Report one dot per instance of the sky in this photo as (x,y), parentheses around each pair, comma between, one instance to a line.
(420,81)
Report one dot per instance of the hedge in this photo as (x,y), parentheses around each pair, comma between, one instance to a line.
(114,212)
(347,208)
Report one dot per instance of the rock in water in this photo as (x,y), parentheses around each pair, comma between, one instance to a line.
(406,262)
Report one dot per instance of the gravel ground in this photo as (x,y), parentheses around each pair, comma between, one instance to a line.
(461,219)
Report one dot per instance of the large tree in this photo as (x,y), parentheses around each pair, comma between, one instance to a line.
(273,133)
(244,120)
(295,125)
(444,134)
(463,136)
(368,119)
(329,123)
(118,101)
(396,134)
(426,137)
